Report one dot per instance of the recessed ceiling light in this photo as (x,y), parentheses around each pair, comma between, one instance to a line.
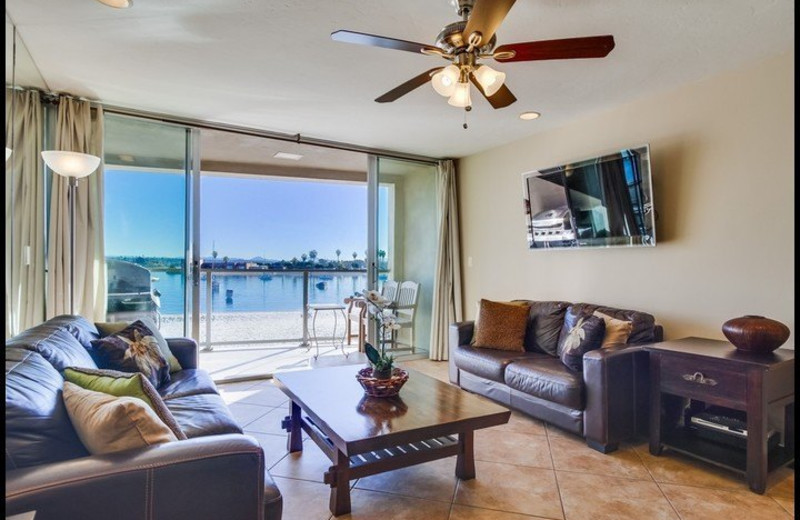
(527,116)
(117,4)
(287,155)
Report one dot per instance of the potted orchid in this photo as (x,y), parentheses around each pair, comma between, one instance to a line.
(380,309)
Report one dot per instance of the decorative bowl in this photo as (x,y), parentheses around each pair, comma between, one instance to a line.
(382,387)
(755,334)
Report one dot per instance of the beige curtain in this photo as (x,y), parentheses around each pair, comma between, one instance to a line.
(79,128)
(447,281)
(25,212)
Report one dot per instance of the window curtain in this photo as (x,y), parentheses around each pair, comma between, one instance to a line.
(447,280)
(25,212)
(79,128)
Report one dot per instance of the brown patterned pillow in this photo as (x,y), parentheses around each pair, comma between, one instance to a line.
(617,331)
(501,326)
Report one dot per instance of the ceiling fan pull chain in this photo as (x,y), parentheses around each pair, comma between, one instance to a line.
(466,109)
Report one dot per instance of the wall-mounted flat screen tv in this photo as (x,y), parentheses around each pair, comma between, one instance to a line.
(604,201)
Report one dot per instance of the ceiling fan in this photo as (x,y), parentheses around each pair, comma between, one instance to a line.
(466,42)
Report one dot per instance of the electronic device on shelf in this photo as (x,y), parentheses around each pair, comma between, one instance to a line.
(725,426)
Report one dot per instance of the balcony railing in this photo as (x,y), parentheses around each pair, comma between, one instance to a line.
(317,286)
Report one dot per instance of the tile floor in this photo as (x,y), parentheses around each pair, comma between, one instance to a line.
(552,474)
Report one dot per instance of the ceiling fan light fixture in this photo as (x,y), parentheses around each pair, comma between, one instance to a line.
(117,4)
(490,80)
(460,97)
(444,81)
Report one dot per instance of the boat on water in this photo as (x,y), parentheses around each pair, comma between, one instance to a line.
(321,285)
(265,277)
(325,277)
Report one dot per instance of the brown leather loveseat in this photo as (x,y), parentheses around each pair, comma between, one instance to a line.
(605,403)
(216,473)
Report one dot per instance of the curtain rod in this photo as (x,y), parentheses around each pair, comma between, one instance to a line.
(279,136)
(52,97)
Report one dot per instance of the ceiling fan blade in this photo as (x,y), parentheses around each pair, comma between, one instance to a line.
(500,99)
(569,48)
(486,17)
(380,41)
(408,86)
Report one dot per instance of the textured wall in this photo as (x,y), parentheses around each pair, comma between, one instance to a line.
(722,156)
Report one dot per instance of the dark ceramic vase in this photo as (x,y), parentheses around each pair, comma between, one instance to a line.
(755,334)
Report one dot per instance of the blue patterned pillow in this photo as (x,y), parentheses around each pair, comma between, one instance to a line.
(133,349)
(580,334)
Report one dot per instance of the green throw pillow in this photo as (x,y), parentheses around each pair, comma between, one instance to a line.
(107,328)
(124,384)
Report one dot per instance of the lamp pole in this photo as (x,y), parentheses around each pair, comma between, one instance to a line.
(73,192)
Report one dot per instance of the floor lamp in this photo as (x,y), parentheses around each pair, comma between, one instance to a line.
(73,165)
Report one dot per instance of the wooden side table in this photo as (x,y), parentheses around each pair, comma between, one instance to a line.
(714,372)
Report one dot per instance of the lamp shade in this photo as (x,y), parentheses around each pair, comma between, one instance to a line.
(71,164)
(8,153)
(491,80)
(460,97)
(444,81)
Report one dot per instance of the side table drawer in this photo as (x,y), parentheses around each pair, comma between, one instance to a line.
(701,380)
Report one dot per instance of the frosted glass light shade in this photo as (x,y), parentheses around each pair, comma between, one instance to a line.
(444,81)
(460,97)
(71,164)
(8,153)
(491,80)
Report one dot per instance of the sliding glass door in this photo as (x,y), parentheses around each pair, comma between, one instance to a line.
(405,234)
(147,199)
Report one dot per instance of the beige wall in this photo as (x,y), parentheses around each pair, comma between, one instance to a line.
(722,157)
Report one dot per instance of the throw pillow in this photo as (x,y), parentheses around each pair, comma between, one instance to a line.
(617,331)
(580,334)
(124,384)
(133,349)
(113,327)
(106,424)
(501,326)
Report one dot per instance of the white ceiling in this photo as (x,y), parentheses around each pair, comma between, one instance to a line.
(272,65)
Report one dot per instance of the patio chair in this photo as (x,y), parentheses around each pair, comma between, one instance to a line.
(357,313)
(405,309)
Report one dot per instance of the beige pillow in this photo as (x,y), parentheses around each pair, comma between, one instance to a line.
(106,424)
(501,326)
(617,331)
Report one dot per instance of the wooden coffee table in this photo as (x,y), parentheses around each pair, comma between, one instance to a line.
(363,435)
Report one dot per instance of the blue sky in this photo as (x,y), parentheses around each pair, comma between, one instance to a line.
(243,217)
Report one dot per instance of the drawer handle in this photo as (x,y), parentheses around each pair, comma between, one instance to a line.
(697,377)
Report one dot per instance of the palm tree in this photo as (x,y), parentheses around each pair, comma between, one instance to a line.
(355,256)
(225,262)
(381,256)
(214,254)
(313,255)
(338,254)
(304,257)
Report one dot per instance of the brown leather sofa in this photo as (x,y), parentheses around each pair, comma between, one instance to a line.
(606,403)
(216,473)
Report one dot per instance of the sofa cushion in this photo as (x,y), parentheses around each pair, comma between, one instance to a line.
(113,327)
(501,326)
(189,381)
(580,334)
(617,331)
(83,330)
(106,423)
(544,326)
(488,363)
(133,349)
(202,414)
(56,343)
(124,384)
(38,429)
(643,329)
(547,378)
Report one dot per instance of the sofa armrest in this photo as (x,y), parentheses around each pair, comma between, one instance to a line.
(616,381)
(219,476)
(460,334)
(185,350)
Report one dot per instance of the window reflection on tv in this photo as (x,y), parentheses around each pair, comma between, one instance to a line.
(605,201)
